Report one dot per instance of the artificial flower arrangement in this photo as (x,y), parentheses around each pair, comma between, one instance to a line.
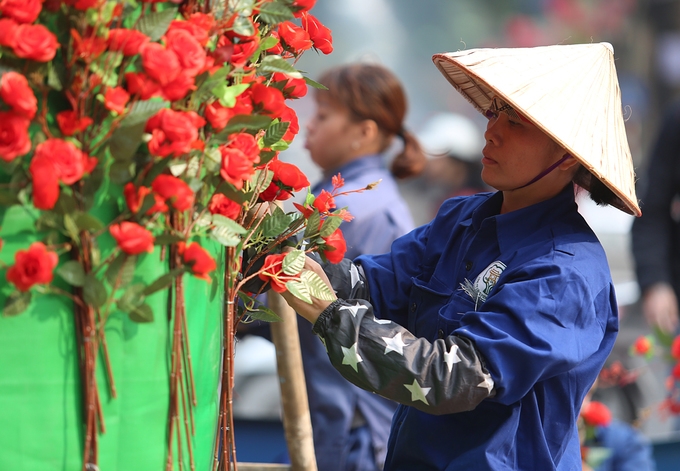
(139,145)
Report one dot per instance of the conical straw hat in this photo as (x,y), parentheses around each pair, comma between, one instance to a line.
(570,92)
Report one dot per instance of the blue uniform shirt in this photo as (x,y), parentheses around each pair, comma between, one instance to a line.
(532,290)
(380,216)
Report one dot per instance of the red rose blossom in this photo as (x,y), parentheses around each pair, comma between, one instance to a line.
(272,271)
(294,87)
(33,266)
(642,345)
(268,100)
(16,92)
(132,238)
(173,132)
(287,179)
(134,198)
(69,162)
(189,51)
(675,373)
(115,99)
(14,138)
(303,6)
(128,41)
(238,158)
(318,33)
(35,42)
(295,37)
(45,183)
(23,11)
(69,123)
(675,348)
(336,247)
(159,63)
(174,191)
(178,88)
(288,115)
(220,204)
(596,414)
(200,261)
(324,202)
(142,85)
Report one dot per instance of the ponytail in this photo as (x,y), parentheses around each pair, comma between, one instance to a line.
(411,160)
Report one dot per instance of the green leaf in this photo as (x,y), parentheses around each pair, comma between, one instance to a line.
(48,220)
(330,225)
(276,223)
(262,179)
(88,222)
(156,24)
(225,236)
(227,93)
(163,281)
(275,63)
(313,224)
(72,272)
(127,138)
(273,13)
(243,122)
(300,290)
(267,43)
(293,262)
(206,83)
(16,303)
(71,227)
(243,26)
(132,297)
(317,287)
(263,313)
(55,77)
(94,292)
(121,172)
(65,204)
(315,84)
(167,239)
(221,221)
(275,132)
(280,146)
(8,198)
(127,270)
(141,314)
(114,267)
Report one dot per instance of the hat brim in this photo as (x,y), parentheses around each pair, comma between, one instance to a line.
(480,94)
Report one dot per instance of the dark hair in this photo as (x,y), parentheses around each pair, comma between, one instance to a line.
(370,91)
(599,192)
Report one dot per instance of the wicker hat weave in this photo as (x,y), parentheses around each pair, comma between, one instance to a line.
(570,92)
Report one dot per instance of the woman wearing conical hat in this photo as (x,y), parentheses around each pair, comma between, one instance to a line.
(489,324)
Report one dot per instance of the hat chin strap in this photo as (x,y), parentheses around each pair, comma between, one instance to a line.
(544,172)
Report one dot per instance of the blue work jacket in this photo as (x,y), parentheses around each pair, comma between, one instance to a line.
(532,290)
(380,216)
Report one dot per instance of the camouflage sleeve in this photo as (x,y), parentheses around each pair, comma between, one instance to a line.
(441,377)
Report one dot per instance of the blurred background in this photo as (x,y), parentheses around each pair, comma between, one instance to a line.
(403,35)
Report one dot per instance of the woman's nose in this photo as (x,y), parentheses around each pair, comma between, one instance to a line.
(492,131)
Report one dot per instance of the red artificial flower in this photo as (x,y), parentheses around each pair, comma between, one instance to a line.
(303,6)
(642,345)
(336,247)
(32,266)
(69,123)
(134,197)
(14,138)
(287,179)
(238,157)
(199,25)
(84,4)
(675,347)
(132,238)
(324,202)
(35,42)
(198,259)
(236,54)
(173,132)
(189,51)
(288,115)
(276,48)
(8,31)
(174,191)
(675,373)
(23,11)
(596,414)
(232,34)
(69,162)
(87,48)
(115,99)
(272,271)
(318,33)
(293,88)
(220,204)
(178,88)
(128,41)
(16,92)
(45,183)
(268,100)
(160,63)
(142,85)
(218,116)
(295,37)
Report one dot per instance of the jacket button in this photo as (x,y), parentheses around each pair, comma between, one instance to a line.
(440,333)
(468,265)
(414,306)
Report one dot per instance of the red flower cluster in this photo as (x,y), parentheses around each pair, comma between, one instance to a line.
(287,179)
(56,161)
(173,132)
(14,138)
(32,266)
(132,238)
(238,158)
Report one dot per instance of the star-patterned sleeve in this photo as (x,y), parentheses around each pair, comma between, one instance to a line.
(441,377)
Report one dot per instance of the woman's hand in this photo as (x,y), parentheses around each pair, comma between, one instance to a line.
(660,307)
(309,311)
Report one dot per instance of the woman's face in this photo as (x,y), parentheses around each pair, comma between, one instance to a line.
(516,151)
(330,134)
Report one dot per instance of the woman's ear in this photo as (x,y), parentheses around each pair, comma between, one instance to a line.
(369,130)
(568,162)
